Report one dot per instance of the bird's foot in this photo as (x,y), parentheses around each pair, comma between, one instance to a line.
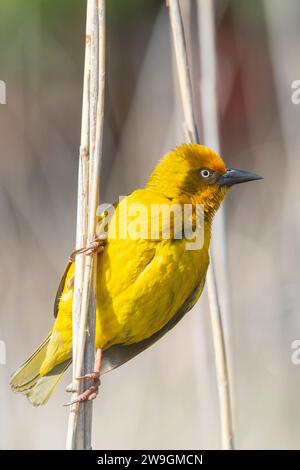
(92,376)
(92,391)
(95,246)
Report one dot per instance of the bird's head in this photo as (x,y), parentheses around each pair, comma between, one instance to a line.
(194,173)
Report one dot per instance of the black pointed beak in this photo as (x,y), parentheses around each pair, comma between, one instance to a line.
(234,176)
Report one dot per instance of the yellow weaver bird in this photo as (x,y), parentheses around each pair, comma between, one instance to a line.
(145,284)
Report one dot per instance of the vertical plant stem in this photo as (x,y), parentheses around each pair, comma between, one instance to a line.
(211,138)
(220,361)
(81,229)
(80,420)
(95,167)
(208,74)
(87,408)
(215,313)
(183,71)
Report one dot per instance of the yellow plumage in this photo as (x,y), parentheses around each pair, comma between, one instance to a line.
(143,284)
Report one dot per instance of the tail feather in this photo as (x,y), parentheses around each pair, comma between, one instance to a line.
(28,380)
(27,375)
(42,390)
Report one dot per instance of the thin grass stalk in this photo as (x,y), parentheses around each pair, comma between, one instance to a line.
(89,354)
(215,312)
(183,71)
(95,167)
(79,432)
(209,109)
(82,214)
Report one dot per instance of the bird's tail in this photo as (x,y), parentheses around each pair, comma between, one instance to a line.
(28,380)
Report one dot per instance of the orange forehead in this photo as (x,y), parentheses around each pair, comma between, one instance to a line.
(200,156)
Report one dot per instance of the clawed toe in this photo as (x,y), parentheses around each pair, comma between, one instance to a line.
(88,395)
(92,391)
(92,376)
(95,246)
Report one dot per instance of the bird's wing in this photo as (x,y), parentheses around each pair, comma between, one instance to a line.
(118,354)
(69,264)
(61,288)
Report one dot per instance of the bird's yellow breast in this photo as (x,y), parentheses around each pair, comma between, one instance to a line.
(142,283)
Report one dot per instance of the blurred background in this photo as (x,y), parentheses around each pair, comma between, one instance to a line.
(166,397)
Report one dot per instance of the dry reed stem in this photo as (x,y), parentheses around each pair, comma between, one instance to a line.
(215,312)
(84,302)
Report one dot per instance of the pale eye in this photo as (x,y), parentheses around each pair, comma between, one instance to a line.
(205,173)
